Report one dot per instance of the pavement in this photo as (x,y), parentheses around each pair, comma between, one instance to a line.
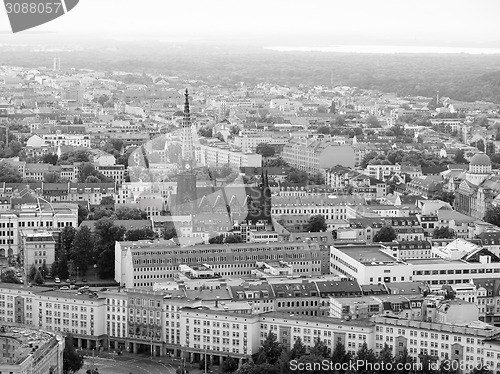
(129,363)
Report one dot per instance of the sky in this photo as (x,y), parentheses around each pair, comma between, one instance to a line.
(285,22)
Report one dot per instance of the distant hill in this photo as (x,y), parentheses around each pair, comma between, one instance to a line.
(459,76)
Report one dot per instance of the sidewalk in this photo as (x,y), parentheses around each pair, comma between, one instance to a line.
(193,368)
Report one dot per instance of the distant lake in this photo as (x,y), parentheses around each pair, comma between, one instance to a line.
(388,49)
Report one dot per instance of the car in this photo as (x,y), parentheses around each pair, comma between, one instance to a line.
(18,274)
(55,288)
(73,281)
(21,280)
(64,288)
(84,280)
(104,289)
(57,280)
(68,280)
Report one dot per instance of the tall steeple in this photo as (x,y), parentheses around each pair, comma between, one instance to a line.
(188,158)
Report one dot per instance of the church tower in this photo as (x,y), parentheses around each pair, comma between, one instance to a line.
(185,202)
(188,157)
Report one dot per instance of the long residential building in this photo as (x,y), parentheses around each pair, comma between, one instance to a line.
(313,156)
(142,264)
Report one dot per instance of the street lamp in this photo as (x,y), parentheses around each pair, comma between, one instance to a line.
(77,268)
(95,274)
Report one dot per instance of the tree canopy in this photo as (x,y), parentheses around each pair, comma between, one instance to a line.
(316,223)
(385,234)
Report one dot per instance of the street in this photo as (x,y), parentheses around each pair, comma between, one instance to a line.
(126,365)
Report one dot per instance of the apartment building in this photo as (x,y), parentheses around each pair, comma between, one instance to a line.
(29,350)
(58,311)
(330,208)
(313,156)
(37,248)
(382,172)
(288,327)
(372,265)
(248,141)
(219,154)
(141,264)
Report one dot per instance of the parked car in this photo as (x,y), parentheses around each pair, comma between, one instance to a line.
(84,280)
(18,274)
(68,280)
(57,280)
(104,289)
(64,288)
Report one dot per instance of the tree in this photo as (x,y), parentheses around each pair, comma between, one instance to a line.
(206,132)
(372,121)
(276,162)
(246,368)
(481,370)
(367,158)
(51,177)
(229,365)
(82,214)
(106,234)
(32,273)
(460,157)
(54,268)
(270,351)
(169,231)
(134,235)
(88,170)
(443,233)
(219,239)
(219,136)
(130,213)
(365,357)
(317,223)
(233,239)
(9,174)
(385,356)
(340,355)
(66,238)
(103,99)
(297,176)
(38,279)
(201,365)
(72,360)
(50,158)
(92,179)
(493,215)
(298,350)
(107,200)
(82,250)
(9,276)
(317,179)
(404,363)
(320,349)
(265,150)
(45,270)
(385,234)
(62,269)
(72,157)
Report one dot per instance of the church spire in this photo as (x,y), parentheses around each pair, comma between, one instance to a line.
(187,114)
(188,158)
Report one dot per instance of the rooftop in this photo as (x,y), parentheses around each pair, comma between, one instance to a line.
(369,255)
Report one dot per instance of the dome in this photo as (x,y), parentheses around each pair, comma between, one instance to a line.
(480,159)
